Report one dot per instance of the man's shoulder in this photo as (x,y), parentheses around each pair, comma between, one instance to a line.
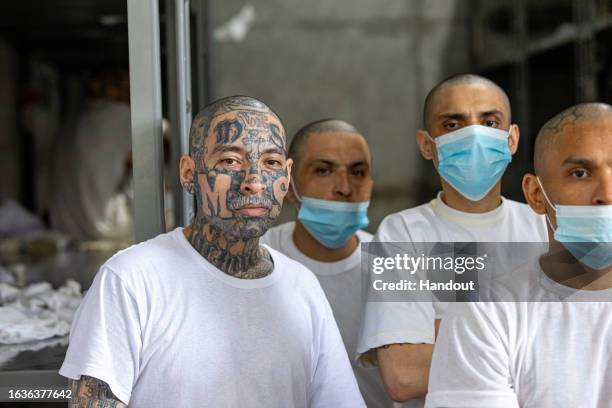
(423,210)
(399,226)
(517,205)
(516,208)
(492,314)
(144,254)
(294,272)
(364,236)
(533,223)
(275,236)
(518,284)
(285,263)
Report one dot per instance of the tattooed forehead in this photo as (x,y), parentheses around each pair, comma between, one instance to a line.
(238,103)
(202,124)
(566,123)
(248,128)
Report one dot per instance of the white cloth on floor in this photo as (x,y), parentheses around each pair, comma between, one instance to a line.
(39,312)
(8,293)
(9,351)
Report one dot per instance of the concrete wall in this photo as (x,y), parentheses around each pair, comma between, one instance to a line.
(368,62)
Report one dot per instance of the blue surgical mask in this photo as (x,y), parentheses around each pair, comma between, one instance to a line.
(585,231)
(332,223)
(473,159)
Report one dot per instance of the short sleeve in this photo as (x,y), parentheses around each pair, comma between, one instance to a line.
(391,229)
(394,323)
(471,363)
(105,339)
(333,384)
(398,321)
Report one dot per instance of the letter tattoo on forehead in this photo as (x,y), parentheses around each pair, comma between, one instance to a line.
(228,131)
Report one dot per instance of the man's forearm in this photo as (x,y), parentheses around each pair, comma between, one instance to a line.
(89,392)
(405,370)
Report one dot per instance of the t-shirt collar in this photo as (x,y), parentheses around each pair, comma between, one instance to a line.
(212,270)
(325,268)
(470,219)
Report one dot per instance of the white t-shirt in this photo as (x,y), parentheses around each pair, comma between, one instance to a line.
(342,284)
(540,354)
(88,203)
(413,322)
(165,328)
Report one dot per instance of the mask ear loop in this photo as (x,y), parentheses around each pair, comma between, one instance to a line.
(295,193)
(549,203)
(430,138)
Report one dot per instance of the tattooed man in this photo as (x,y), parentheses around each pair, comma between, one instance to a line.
(204,316)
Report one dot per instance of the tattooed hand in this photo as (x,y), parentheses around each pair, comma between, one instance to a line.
(240,174)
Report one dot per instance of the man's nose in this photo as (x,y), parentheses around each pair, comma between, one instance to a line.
(472,119)
(604,190)
(253,183)
(343,186)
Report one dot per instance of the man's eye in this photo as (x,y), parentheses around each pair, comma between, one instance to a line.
(359,173)
(322,171)
(452,125)
(273,163)
(229,161)
(579,173)
(491,123)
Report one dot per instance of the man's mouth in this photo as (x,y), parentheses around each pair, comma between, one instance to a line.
(253,210)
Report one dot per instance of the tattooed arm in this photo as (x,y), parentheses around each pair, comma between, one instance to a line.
(92,393)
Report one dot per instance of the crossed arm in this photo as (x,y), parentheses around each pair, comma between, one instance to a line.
(89,392)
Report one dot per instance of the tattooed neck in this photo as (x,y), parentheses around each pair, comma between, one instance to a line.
(237,258)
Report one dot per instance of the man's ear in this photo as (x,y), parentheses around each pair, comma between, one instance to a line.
(513,138)
(289,167)
(187,173)
(290,196)
(426,146)
(534,194)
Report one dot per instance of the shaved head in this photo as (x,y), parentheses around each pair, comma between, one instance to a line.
(200,125)
(296,148)
(456,80)
(563,123)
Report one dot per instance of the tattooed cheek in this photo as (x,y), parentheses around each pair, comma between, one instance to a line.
(280,188)
(214,196)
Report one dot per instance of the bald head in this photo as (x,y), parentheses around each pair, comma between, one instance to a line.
(200,126)
(457,80)
(296,148)
(565,123)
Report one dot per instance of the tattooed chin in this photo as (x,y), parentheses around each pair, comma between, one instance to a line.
(243,228)
(242,225)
